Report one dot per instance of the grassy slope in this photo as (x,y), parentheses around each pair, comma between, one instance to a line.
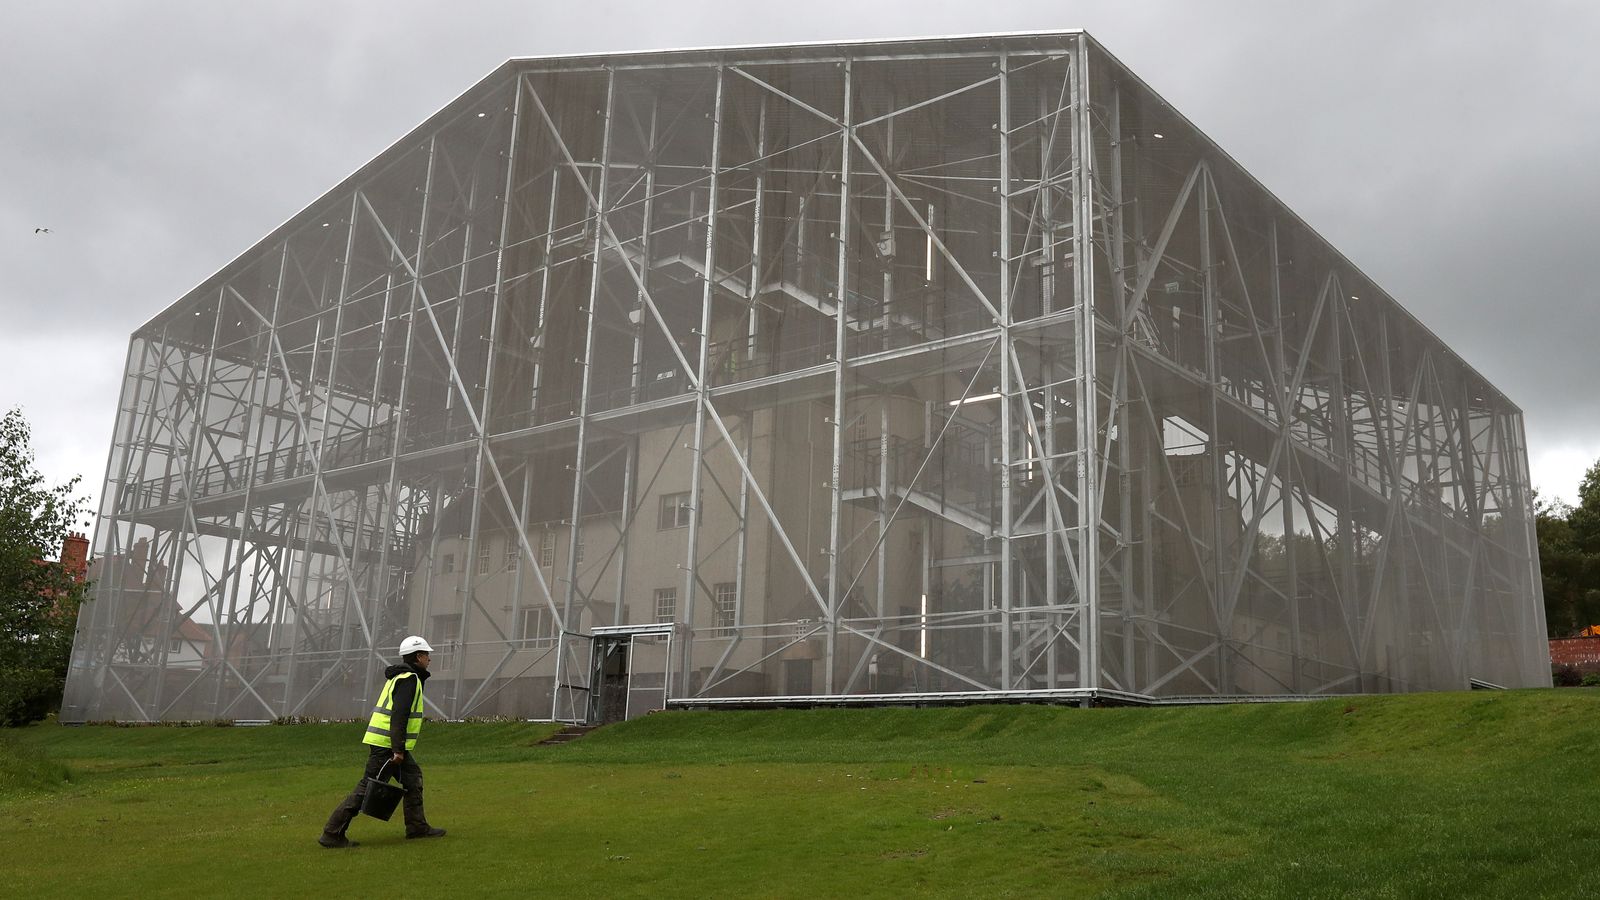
(1425,795)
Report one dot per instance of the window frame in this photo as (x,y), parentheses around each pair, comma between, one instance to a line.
(676,510)
(670,594)
(724,607)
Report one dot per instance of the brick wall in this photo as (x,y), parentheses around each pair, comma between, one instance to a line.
(1583,652)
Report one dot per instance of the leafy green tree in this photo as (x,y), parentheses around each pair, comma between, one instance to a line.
(1569,558)
(39,597)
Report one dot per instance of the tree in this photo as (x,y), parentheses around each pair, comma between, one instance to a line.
(39,596)
(1569,558)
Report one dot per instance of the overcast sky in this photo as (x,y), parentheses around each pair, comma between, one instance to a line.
(1450,149)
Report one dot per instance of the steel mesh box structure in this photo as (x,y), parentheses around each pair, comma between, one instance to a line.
(923,369)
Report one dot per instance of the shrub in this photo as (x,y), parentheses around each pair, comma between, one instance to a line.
(27,695)
(1592,679)
(1566,676)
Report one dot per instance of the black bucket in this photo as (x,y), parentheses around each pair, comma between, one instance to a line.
(382,797)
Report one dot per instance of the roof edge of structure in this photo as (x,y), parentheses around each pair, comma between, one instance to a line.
(802,45)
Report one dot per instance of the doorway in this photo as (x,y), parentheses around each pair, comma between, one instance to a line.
(610,679)
(629,671)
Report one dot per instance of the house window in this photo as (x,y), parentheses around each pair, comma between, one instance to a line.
(674,511)
(513,554)
(666,604)
(485,556)
(547,549)
(724,607)
(447,628)
(175,645)
(448,564)
(538,627)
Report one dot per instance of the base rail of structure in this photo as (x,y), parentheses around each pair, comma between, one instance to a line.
(1069,696)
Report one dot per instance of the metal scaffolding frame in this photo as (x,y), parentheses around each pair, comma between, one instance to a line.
(938,369)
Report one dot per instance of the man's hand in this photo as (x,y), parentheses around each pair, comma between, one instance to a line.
(399,757)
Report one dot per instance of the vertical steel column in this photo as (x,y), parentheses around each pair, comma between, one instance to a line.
(1088,406)
(752,294)
(282,594)
(1119,416)
(1208,327)
(1286,475)
(568,623)
(384,493)
(1048,120)
(1339,421)
(884,396)
(702,388)
(842,298)
(1421,488)
(1007,388)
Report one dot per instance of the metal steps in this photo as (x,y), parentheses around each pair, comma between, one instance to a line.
(568,734)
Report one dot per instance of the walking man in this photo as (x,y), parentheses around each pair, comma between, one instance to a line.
(392,735)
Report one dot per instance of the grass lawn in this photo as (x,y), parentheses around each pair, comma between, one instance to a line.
(1434,795)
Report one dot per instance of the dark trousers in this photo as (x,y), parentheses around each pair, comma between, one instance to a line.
(410,778)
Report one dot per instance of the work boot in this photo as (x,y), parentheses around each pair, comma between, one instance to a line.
(431,832)
(337,842)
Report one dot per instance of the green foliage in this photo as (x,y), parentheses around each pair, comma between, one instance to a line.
(1569,558)
(1438,795)
(39,598)
(1591,680)
(1562,675)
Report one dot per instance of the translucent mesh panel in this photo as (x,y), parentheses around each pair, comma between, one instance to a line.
(913,369)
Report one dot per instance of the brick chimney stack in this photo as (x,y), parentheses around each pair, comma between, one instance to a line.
(75,555)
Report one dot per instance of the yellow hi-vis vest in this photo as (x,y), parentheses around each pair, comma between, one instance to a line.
(378,726)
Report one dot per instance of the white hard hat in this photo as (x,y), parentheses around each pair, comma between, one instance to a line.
(413,644)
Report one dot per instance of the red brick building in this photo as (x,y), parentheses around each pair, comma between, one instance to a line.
(1582,651)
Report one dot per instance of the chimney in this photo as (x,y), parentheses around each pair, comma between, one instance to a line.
(75,555)
(141,553)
